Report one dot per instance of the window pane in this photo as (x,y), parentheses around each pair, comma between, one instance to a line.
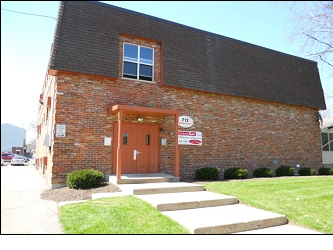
(125,139)
(148,140)
(130,69)
(146,55)
(131,52)
(146,71)
(330,138)
(324,140)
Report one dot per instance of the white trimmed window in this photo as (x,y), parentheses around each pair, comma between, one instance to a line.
(138,62)
(327,141)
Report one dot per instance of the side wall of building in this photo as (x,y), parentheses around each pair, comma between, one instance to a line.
(45,128)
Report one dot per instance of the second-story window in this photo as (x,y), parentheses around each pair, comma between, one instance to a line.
(138,62)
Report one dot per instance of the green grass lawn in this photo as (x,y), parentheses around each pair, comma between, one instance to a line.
(306,201)
(116,215)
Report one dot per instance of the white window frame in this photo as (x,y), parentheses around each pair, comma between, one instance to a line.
(138,63)
(329,145)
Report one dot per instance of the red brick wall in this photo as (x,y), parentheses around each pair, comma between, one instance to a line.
(237,132)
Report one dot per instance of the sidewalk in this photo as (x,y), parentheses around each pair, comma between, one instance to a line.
(22,209)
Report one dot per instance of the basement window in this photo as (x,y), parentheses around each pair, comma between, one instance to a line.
(138,62)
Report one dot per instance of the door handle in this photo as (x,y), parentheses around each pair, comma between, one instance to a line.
(135,153)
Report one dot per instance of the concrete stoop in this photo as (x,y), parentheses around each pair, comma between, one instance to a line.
(141,178)
(204,212)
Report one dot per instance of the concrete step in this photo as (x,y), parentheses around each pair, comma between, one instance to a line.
(160,188)
(227,219)
(141,178)
(284,229)
(187,200)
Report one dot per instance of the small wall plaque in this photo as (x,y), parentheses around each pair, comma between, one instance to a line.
(107,141)
(61,130)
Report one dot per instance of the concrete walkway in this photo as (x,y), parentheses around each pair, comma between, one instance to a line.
(22,209)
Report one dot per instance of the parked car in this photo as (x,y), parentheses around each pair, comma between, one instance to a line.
(26,159)
(7,156)
(17,160)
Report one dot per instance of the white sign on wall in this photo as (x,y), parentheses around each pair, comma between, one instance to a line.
(107,141)
(189,138)
(185,121)
(61,130)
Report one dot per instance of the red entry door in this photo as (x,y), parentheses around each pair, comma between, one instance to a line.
(140,148)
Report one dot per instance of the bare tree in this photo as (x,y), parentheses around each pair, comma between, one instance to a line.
(328,113)
(312,26)
(33,125)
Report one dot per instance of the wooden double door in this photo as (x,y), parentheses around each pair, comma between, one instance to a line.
(140,148)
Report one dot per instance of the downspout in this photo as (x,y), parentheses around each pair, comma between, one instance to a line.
(52,113)
(120,117)
(176,170)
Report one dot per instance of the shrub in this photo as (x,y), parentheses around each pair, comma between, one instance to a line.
(207,173)
(284,171)
(306,171)
(263,172)
(84,178)
(325,171)
(235,173)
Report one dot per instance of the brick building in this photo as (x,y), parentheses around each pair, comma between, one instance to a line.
(131,93)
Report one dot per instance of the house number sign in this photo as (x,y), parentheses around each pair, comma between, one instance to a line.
(185,121)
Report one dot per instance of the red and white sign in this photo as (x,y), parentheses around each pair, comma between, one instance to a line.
(189,138)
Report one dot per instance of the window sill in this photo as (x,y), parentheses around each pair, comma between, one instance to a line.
(136,80)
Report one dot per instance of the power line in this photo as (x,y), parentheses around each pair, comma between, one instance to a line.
(29,14)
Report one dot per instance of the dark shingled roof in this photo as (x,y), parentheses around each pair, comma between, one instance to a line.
(86,41)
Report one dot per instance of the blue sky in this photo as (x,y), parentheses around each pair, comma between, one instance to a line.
(26,41)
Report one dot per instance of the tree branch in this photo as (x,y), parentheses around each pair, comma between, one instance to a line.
(329,45)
